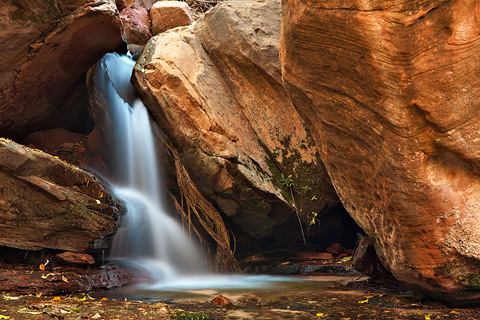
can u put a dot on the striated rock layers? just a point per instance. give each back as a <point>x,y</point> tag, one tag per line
<point>47,47</point>
<point>390,91</point>
<point>47,203</point>
<point>215,89</point>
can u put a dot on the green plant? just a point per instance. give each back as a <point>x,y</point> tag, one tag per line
<point>288,182</point>
<point>313,218</point>
<point>306,188</point>
<point>185,315</point>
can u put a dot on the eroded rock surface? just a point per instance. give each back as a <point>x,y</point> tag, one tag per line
<point>215,89</point>
<point>391,95</point>
<point>47,203</point>
<point>47,48</point>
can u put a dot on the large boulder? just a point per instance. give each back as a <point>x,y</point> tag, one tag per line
<point>47,47</point>
<point>47,203</point>
<point>390,91</point>
<point>215,89</point>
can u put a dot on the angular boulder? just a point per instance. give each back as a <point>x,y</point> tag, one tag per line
<point>216,90</point>
<point>166,15</point>
<point>47,203</point>
<point>390,92</point>
<point>47,48</point>
<point>135,25</point>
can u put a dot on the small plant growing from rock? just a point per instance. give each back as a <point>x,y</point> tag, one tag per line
<point>313,218</point>
<point>288,182</point>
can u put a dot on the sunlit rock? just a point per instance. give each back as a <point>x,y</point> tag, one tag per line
<point>166,15</point>
<point>390,92</point>
<point>216,90</point>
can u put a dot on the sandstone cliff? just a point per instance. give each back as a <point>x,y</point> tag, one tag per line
<point>390,93</point>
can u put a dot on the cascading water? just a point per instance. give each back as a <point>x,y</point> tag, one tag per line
<point>148,236</point>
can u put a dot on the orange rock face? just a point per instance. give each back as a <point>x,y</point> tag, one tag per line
<point>166,15</point>
<point>390,91</point>
<point>215,89</point>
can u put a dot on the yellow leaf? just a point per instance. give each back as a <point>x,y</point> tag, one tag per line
<point>38,294</point>
<point>4,317</point>
<point>427,317</point>
<point>82,299</point>
<point>41,267</point>
<point>346,259</point>
<point>363,301</point>
<point>104,299</point>
<point>56,299</point>
<point>64,279</point>
<point>320,314</point>
<point>90,298</point>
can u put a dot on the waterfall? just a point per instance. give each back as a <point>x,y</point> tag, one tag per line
<point>148,236</point>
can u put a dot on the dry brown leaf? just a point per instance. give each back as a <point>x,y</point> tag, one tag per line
<point>64,279</point>
<point>41,267</point>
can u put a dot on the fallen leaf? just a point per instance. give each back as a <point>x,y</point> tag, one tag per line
<point>321,314</point>
<point>163,310</point>
<point>56,299</point>
<point>41,267</point>
<point>11,298</point>
<point>283,263</point>
<point>64,279</point>
<point>453,311</point>
<point>427,317</point>
<point>38,294</point>
<point>96,316</point>
<point>346,259</point>
<point>104,299</point>
<point>363,301</point>
<point>4,317</point>
<point>64,311</point>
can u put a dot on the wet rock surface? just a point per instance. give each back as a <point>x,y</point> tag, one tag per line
<point>385,91</point>
<point>29,280</point>
<point>362,301</point>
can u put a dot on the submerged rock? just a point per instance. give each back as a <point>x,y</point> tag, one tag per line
<point>390,93</point>
<point>47,203</point>
<point>216,90</point>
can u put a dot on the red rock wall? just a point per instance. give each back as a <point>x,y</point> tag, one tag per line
<point>390,91</point>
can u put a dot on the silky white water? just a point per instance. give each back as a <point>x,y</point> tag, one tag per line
<point>148,237</point>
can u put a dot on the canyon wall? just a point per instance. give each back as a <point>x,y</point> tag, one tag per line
<point>390,93</point>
